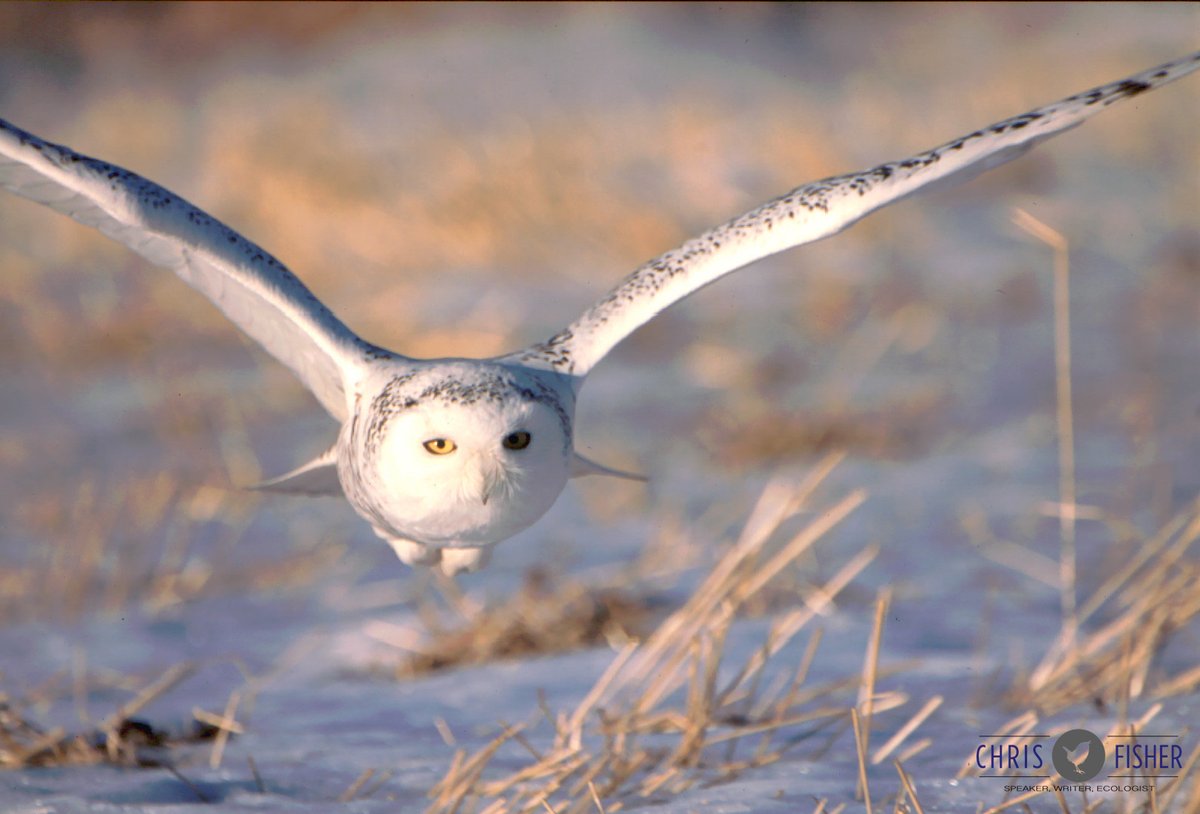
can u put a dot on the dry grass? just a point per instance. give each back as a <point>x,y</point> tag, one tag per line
<point>1113,663</point>
<point>1152,593</point>
<point>558,612</point>
<point>1107,651</point>
<point>149,543</point>
<point>549,614</point>
<point>119,739</point>
<point>1129,619</point>
<point>1064,414</point>
<point>670,712</point>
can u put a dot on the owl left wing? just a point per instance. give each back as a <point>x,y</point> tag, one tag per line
<point>257,292</point>
<point>812,212</point>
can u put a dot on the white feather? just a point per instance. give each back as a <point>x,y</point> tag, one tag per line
<point>317,477</point>
<point>250,286</point>
<point>814,211</point>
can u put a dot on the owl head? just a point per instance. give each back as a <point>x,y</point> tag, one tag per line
<point>464,454</point>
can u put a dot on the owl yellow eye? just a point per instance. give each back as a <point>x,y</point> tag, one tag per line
<point>517,440</point>
<point>440,446</point>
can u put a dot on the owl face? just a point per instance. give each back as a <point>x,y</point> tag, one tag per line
<point>464,460</point>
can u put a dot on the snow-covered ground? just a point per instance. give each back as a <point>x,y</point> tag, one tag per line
<point>464,180</point>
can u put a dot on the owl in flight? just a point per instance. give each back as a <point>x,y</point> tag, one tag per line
<point>447,457</point>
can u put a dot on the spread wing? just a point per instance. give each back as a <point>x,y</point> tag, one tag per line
<point>812,212</point>
<point>250,286</point>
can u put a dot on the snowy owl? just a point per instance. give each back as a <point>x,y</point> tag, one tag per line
<point>447,457</point>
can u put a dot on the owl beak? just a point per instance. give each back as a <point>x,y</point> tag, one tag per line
<point>493,481</point>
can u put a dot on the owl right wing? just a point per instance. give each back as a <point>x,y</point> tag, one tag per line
<point>812,212</point>
<point>250,286</point>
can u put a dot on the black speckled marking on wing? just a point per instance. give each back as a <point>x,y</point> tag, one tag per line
<point>152,195</point>
<point>813,211</point>
<point>255,290</point>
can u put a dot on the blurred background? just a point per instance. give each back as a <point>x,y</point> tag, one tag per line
<point>465,179</point>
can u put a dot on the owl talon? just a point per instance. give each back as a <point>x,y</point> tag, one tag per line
<point>411,553</point>
<point>451,561</point>
<point>456,561</point>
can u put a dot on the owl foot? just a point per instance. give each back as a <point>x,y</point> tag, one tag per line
<point>451,561</point>
<point>459,560</point>
<point>411,553</point>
